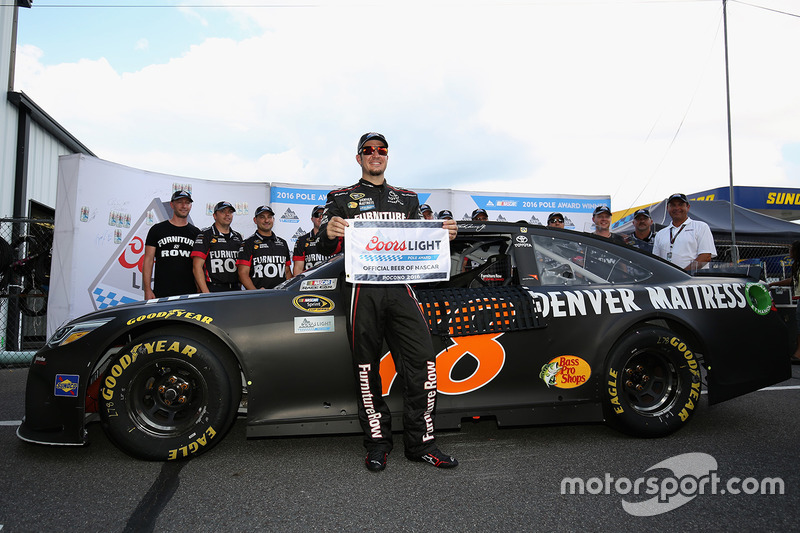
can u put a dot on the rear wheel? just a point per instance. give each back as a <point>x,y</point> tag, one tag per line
<point>652,384</point>
<point>171,394</point>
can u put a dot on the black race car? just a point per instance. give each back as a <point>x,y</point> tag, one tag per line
<point>535,326</point>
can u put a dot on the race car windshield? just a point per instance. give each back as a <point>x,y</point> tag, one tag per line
<point>567,262</point>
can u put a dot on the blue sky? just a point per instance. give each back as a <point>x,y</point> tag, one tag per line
<point>132,35</point>
<point>621,98</point>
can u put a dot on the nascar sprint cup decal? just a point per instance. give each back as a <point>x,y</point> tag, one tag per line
<point>396,251</point>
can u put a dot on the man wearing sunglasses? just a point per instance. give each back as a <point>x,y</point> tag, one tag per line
<point>389,312</point>
<point>555,220</point>
<point>306,255</point>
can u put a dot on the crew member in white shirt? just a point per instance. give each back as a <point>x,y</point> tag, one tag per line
<point>686,243</point>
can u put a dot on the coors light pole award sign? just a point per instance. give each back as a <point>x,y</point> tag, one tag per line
<point>396,251</point>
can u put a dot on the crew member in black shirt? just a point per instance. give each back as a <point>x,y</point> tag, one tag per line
<point>169,246</point>
<point>644,236</point>
<point>215,251</point>
<point>264,258</point>
<point>305,253</point>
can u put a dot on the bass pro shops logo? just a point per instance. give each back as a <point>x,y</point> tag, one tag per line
<point>565,372</point>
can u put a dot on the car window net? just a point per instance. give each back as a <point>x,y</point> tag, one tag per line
<point>459,312</point>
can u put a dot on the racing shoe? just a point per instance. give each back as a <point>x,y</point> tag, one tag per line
<point>436,458</point>
<point>376,460</point>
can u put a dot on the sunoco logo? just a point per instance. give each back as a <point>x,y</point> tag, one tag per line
<point>67,385</point>
<point>313,304</point>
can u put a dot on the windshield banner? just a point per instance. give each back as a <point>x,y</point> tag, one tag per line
<point>396,251</point>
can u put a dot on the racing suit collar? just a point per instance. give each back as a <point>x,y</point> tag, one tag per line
<point>366,183</point>
<point>216,231</point>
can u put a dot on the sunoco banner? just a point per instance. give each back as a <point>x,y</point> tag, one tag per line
<point>396,251</point>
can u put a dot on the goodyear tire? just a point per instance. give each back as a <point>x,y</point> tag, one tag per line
<point>171,394</point>
<point>652,383</point>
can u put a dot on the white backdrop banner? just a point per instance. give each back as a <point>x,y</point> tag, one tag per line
<point>514,207</point>
<point>396,251</point>
<point>103,214</point>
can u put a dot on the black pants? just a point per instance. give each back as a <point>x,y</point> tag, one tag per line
<point>391,312</point>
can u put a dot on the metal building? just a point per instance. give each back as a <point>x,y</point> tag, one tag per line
<point>30,145</point>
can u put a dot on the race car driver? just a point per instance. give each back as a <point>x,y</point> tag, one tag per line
<point>264,258</point>
<point>215,251</point>
<point>389,312</point>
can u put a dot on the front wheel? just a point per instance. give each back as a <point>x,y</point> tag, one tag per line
<point>652,385</point>
<point>171,394</point>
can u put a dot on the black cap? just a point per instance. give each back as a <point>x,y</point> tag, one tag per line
<point>368,137</point>
<point>479,211</point>
<point>678,196</point>
<point>551,216</point>
<point>444,213</point>
<point>644,212</point>
<point>425,207</point>
<point>601,209</point>
<point>264,209</point>
<point>181,194</point>
<point>222,205</point>
<point>317,208</point>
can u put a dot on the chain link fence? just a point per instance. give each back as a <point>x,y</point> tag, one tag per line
<point>772,258</point>
<point>25,255</point>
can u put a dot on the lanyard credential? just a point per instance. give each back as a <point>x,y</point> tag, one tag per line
<point>672,239</point>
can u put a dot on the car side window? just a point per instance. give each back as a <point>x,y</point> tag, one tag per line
<point>568,262</point>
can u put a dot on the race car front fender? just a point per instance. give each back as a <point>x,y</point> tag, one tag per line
<point>55,404</point>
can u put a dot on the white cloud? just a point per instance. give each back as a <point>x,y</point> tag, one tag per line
<point>141,44</point>
<point>579,98</point>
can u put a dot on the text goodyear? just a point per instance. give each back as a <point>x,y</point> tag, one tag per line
<point>143,348</point>
<point>181,313</point>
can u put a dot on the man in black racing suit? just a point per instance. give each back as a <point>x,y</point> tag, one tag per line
<point>389,312</point>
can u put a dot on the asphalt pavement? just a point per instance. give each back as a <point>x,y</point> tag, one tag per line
<point>508,479</point>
